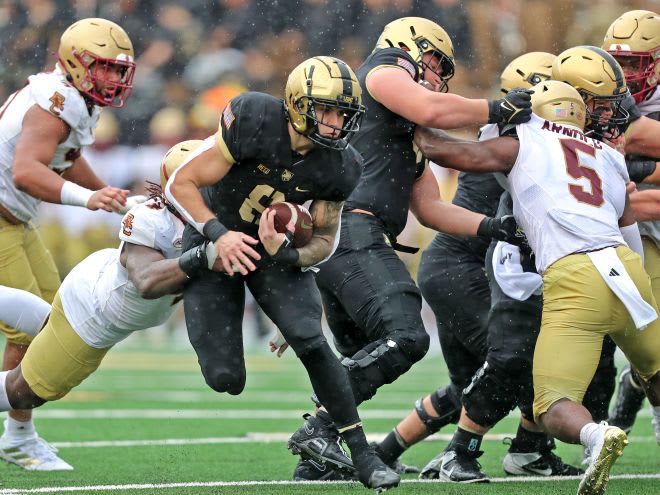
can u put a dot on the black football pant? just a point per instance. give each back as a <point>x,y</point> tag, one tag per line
<point>214,304</point>
<point>372,305</point>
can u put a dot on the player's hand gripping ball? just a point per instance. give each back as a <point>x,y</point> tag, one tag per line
<point>299,216</point>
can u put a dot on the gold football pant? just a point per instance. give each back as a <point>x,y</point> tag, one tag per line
<point>26,264</point>
<point>58,359</point>
<point>579,309</point>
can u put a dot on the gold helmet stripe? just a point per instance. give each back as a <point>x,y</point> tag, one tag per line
<point>614,65</point>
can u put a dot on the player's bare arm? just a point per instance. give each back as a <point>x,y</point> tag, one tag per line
<point>642,138</point>
<point>152,274</point>
<point>234,248</point>
<point>41,134</point>
<point>646,204</point>
<point>325,219</point>
<point>434,213</point>
<point>493,155</point>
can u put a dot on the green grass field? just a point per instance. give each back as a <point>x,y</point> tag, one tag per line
<point>146,423</point>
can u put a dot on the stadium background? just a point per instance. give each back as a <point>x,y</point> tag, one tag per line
<point>192,57</point>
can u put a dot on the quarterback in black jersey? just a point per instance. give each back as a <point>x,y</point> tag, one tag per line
<point>268,151</point>
<point>372,304</point>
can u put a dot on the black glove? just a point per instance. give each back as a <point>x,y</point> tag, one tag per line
<point>503,229</point>
<point>640,168</point>
<point>286,253</point>
<point>630,106</point>
<point>515,108</point>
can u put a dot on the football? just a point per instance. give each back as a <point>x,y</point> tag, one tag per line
<point>299,216</point>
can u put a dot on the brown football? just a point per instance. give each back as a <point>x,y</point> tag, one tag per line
<point>299,216</point>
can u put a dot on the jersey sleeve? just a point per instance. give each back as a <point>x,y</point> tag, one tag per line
<point>394,57</point>
<point>141,225</point>
<point>240,133</point>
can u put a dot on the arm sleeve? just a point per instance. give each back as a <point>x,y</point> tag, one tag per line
<point>631,235</point>
<point>640,169</point>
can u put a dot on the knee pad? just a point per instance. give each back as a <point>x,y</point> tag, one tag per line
<point>446,402</point>
<point>489,397</point>
<point>223,381</point>
<point>378,363</point>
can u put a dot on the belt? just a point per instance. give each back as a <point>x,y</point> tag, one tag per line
<point>6,214</point>
<point>395,245</point>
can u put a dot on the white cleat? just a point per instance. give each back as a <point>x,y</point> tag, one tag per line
<point>34,454</point>
<point>603,458</point>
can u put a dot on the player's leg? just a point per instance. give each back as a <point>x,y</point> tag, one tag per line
<point>579,309</point>
<point>456,289</point>
<point>292,301</point>
<point>56,361</point>
<point>22,254</point>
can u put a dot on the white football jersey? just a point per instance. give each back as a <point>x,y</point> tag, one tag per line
<point>51,92</point>
<point>101,303</point>
<point>650,228</point>
<point>568,191</point>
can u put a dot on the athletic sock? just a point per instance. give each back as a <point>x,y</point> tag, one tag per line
<point>391,448</point>
<point>356,441</point>
<point>465,441</point>
<point>529,441</point>
<point>592,438</point>
<point>4,398</point>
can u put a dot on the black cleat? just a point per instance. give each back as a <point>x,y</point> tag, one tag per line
<point>629,399</point>
<point>374,473</point>
<point>318,440</point>
<point>543,462</point>
<point>454,465</point>
<point>308,470</point>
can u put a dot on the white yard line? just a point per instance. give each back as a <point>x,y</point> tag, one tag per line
<point>256,437</point>
<point>212,484</point>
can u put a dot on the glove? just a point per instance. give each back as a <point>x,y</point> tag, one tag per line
<point>278,343</point>
<point>503,229</point>
<point>640,169</point>
<point>515,108</point>
<point>132,201</point>
<point>286,254</point>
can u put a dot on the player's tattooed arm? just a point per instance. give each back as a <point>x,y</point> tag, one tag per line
<point>325,218</point>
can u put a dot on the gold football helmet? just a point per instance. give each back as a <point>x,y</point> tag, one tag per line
<point>90,51</point>
<point>328,82</point>
<point>418,36</point>
<point>634,41</point>
<point>527,70</point>
<point>601,82</point>
<point>175,157</point>
<point>559,102</point>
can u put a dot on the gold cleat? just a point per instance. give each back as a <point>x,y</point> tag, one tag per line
<point>595,479</point>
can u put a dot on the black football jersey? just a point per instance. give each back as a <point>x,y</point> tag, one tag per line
<point>479,193</point>
<point>253,135</point>
<point>385,141</point>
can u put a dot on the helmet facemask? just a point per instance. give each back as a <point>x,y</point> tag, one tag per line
<point>352,113</point>
<point>113,93</point>
<point>606,117</point>
<point>639,68</point>
<point>445,67</point>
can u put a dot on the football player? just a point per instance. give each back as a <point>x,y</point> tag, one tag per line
<point>634,41</point>
<point>43,127</point>
<point>454,283</point>
<point>589,251</point>
<point>266,151</point>
<point>105,298</point>
<point>371,302</point>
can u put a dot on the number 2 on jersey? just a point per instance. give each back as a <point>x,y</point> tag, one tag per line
<point>577,170</point>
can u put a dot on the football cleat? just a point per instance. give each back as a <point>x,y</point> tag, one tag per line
<point>318,440</point>
<point>34,454</point>
<point>397,466</point>
<point>603,458</point>
<point>308,470</point>
<point>656,428</point>
<point>629,399</point>
<point>374,473</point>
<point>456,466</point>
<point>543,462</point>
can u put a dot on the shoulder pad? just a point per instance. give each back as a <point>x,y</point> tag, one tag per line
<point>55,95</point>
<point>397,58</point>
<point>142,222</point>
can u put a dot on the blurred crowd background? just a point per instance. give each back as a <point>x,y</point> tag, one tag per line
<point>194,55</point>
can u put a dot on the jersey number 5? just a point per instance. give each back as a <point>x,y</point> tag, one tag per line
<point>260,198</point>
<point>577,170</point>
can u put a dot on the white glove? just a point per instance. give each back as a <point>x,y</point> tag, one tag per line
<point>277,343</point>
<point>132,201</point>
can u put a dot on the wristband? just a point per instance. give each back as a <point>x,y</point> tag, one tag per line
<point>213,229</point>
<point>75,195</point>
<point>485,228</point>
<point>288,256</point>
<point>193,261</point>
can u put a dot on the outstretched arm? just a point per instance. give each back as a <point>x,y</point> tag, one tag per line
<point>492,155</point>
<point>152,274</point>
